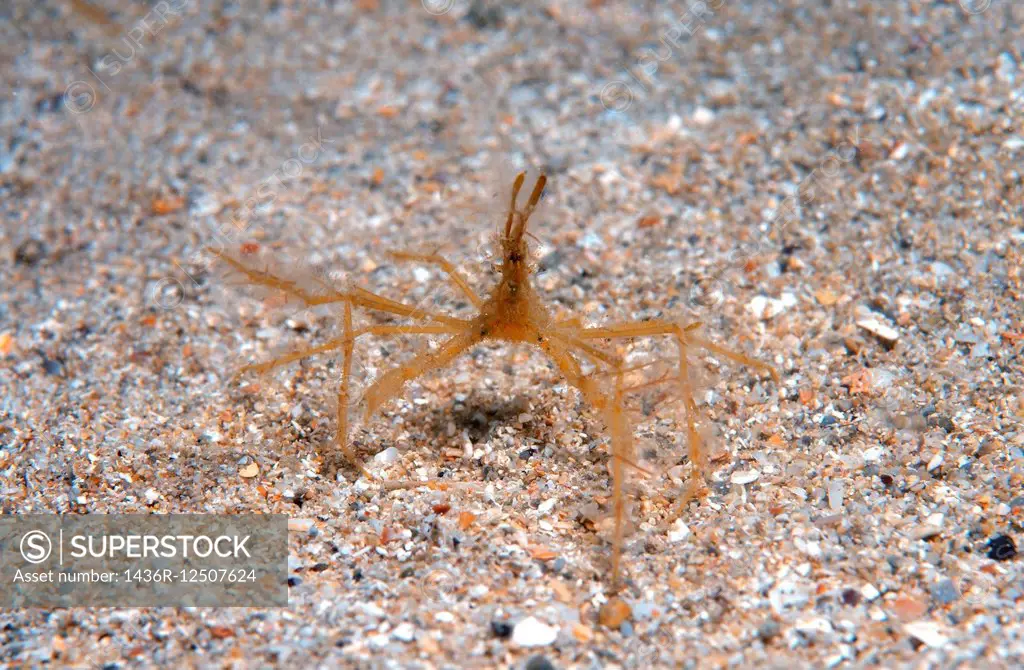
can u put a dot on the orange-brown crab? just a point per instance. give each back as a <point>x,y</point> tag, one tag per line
<point>512,312</point>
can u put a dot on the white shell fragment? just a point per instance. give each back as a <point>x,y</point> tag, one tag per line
<point>884,332</point>
<point>533,633</point>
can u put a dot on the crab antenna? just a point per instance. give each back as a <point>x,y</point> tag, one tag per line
<point>516,187</point>
<point>524,216</point>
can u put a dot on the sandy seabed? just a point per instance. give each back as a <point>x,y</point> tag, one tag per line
<point>832,187</point>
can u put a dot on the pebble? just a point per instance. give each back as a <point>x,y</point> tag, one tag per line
<point>874,454</point>
<point>764,307</point>
<point>547,505</point>
<point>300,525</point>
<point>679,532</point>
<point>501,629</point>
<point>386,457</point>
<point>870,592</point>
<point>927,632</point>
<point>703,116</point>
<point>944,592</point>
<point>538,663</point>
<point>614,613</point>
<point>788,594</point>
<point>908,608</point>
<point>531,632</point>
<point>1002,548</point>
<point>745,476</point>
<point>814,626</point>
<point>874,325</point>
<point>404,632</point>
<point>931,527</point>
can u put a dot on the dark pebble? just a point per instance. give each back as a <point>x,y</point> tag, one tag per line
<point>294,581</point>
<point>940,421</point>
<point>484,15</point>
<point>851,596</point>
<point>51,366</point>
<point>828,420</point>
<point>538,663</point>
<point>1001,548</point>
<point>501,629</point>
<point>768,630</point>
<point>319,567</point>
<point>29,252</point>
<point>525,454</point>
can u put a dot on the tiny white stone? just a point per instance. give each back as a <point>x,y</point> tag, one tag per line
<point>444,617</point>
<point>533,633</point>
<point>547,505</point>
<point>765,308</point>
<point>927,632</point>
<point>788,594</point>
<point>745,476</point>
<point>378,641</point>
<point>874,454</point>
<point>421,274</point>
<point>880,330</point>
<point>386,457</point>
<point>703,116</point>
<point>836,494</point>
<point>814,625</point>
<point>680,531</point>
<point>371,609</point>
<point>1013,144</point>
<point>404,632</point>
<point>936,461</point>
<point>478,591</point>
<point>869,592</point>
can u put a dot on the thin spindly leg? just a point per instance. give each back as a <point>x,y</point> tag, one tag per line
<point>328,460</point>
<point>340,342</point>
<point>683,338</point>
<point>620,437</point>
<point>357,296</point>
<point>285,285</point>
<point>391,382</point>
<point>347,343</point>
<point>453,274</point>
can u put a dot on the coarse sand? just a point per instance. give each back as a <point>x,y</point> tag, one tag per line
<point>832,187</point>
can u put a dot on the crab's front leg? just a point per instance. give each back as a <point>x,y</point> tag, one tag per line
<point>448,267</point>
<point>390,384</point>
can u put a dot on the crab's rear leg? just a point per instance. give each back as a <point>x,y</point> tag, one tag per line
<point>620,432</point>
<point>684,337</point>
